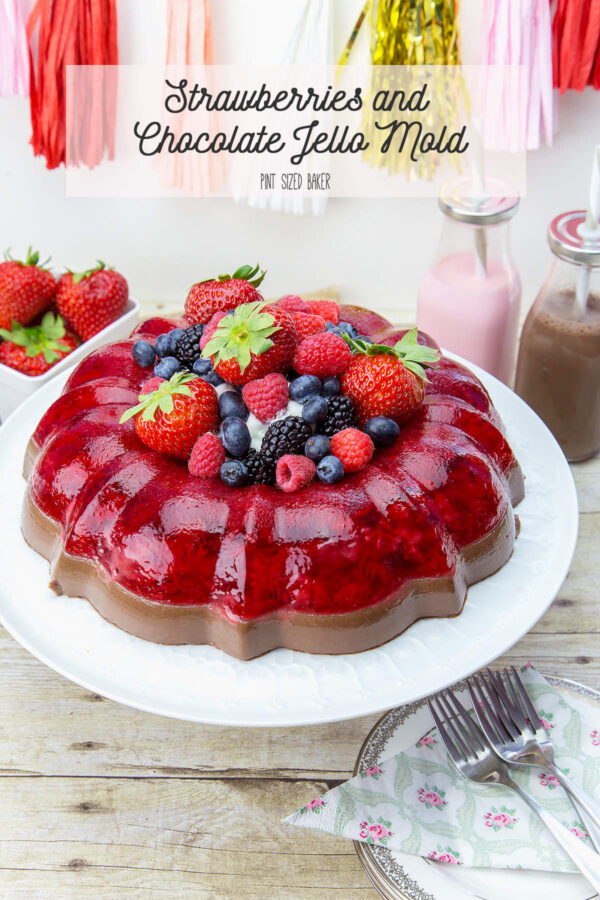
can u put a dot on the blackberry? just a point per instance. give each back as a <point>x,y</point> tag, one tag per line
<point>341,413</point>
<point>260,469</point>
<point>187,348</point>
<point>285,436</point>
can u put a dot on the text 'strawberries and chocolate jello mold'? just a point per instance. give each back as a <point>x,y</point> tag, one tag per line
<point>263,474</point>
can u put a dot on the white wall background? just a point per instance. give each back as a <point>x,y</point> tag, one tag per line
<point>376,251</point>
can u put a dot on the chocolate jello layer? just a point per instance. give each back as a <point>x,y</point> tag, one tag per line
<point>312,633</point>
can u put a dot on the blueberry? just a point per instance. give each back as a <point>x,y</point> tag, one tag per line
<point>330,470</point>
<point>348,329</point>
<point>236,437</point>
<point>166,368</point>
<point>314,410</point>
<point>234,472</point>
<point>363,337</point>
<point>303,387</point>
<point>176,334</point>
<point>382,431</point>
<point>231,404</point>
<point>143,353</point>
<point>317,447</point>
<point>202,366</point>
<point>329,326</point>
<point>213,378</point>
<point>331,386</point>
<point>164,345</point>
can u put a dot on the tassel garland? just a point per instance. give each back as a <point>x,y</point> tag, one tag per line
<point>78,33</point>
<point>14,52</point>
<point>519,104</point>
<point>576,56</point>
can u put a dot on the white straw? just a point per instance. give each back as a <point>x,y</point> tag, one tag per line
<point>479,191</point>
<point>591,232</point>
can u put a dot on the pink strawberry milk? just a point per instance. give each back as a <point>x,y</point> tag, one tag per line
<point>470,298</point>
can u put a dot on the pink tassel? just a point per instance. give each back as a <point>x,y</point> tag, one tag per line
<point>190,43</point>
<point>14,51</point>
<point>517,33</point>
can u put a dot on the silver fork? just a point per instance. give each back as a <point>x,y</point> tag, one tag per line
<point>513,727</point>
<point>474,758</point>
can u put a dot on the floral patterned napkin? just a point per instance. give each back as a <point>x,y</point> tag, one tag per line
<point>416,802</point>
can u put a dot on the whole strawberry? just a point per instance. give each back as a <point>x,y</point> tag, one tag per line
<point>388,381</point>
<point>223,293</point>
<point>26,290</point>
<point>35,350</point>
<point>251,342</point>
<point>89,301</point>
<point>172,418</point>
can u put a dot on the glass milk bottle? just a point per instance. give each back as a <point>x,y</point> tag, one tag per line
<point>469,300</point>
<point>558,372</point>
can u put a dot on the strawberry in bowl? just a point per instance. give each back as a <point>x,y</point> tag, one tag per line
<point>34,350</point>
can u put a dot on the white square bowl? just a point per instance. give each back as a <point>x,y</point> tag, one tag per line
<point>16,387</point>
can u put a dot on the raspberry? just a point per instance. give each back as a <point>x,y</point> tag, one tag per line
<point>308,324</point>
<point>326,308</point>
<point>294,304</point>
<point>207,457</point>
<point>294,472</point>
<point>210,328</point>
<point>322,355</point>
<point>267,396</point>
<point>353,448</point>
<point>152,385</point>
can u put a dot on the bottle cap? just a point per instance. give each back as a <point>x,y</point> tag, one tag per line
<point>570,239</point>
<point>459,201</point>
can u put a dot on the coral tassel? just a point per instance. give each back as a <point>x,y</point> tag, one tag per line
<point>576,31</point>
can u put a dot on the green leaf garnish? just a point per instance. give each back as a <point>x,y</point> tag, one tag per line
<point>161,398</point>
<point>242,334</point>
<point>415,357</point>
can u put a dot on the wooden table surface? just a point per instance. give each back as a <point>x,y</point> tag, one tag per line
<point>98,800</point>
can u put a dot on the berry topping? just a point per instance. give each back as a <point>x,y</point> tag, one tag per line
<point>382,431</point>
<point>165,345</point>
<point>89,301</point>
<point>305,386</point>
<point>322,355</point>
<point>330,470</point>
<point>308,324</point>
<point>347,328</point>
<point>153,385</point>
<point>293,303</point>
<point>236,436</point>
<point>260,469</point>
<point>167,367</point>
<point>144,354</point>
<point>255,340</point>
<point>36,349</point>
<point>234,473</point>
<point>388,381</point>
<point>314,410</point>
<point>213,378</point>
<point>283,436</point>
<point>340,414</point>
<point>317,447</point>
<point>267,396</point>
<point>353,448</point>
<point>223,293</point>
<point>177,334</point>
<point>294,472</point>
<point>187,348</point>
<point>231,404</point>
<point>331,386</point>
<point>171,418</point>
<point>202,367</point>
<point>207,457</point>
<point>326,308</point>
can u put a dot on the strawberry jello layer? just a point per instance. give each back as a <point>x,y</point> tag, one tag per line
<point>331,569</point>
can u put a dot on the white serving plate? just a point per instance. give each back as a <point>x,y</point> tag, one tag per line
<point>400,876</point>
<point>15,387</point>
<point>286,687</point>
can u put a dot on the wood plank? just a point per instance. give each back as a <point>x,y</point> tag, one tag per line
<point>169,836</point>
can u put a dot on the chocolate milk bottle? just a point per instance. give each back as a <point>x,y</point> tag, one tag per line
<point>558,371</point>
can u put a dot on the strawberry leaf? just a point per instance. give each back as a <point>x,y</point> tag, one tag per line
<point>414,356</point>
<point>161,398</point>
<point>242,334</point>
